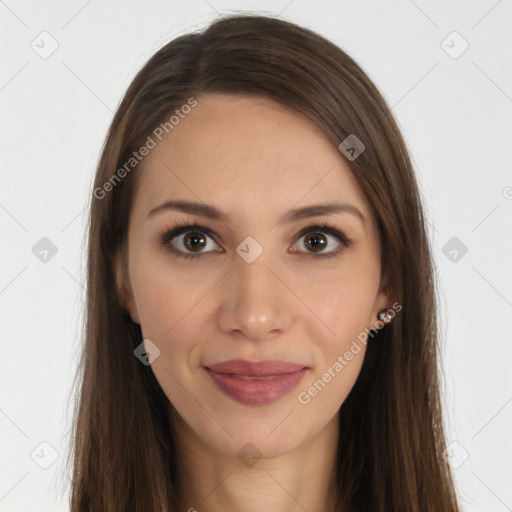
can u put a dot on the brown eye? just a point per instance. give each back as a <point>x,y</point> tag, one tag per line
<point>315,241</point>
<point>322,241</point>
<point>194,241</point>
<point>189,240</point>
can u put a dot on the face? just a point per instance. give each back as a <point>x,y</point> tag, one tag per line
<point>253,282</point>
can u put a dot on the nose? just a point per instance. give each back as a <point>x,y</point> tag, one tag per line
<point>257,305</point>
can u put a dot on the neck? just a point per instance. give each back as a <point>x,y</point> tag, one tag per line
<point>214,481</point>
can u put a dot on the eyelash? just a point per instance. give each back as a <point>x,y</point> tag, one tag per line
<point>180,228</point>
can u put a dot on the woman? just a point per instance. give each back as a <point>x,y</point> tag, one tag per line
<point>261,320</point>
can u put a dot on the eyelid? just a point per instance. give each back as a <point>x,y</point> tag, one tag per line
<point>180,228</point>
<point>324,228</point>
<point>184,227</point>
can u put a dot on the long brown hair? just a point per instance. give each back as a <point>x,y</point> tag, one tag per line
<point>391,439</point>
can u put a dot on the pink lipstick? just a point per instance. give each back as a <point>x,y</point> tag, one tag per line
<point>256,383</point>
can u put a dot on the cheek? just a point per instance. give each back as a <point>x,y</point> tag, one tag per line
<point>344,305</point>
<point>170,310</point>
<point>167,300</point>
<point>174,304</point>
<point>338,353</point>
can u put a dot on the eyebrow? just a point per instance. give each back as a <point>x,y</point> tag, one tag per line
<point>304,212</point>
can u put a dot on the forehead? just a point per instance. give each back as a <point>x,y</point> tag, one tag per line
<point>246,154</point>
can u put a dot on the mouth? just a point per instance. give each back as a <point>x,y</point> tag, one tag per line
<point>256,383</point>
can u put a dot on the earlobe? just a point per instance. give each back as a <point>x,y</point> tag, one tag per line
<point>383,304</point>
<point>123,287</point>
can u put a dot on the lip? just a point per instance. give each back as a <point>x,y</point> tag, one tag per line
<point>256,383</point>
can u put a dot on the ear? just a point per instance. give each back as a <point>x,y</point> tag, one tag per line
<point>384,299</point>
<point>123,286</point>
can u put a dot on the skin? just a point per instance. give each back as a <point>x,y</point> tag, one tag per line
<point>254,160</point>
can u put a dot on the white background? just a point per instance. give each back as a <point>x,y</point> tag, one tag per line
<point>455,114</point>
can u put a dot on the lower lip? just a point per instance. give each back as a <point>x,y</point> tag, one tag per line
<point>257,390</point>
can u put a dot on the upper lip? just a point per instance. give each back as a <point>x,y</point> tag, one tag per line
<point>256,369</point>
